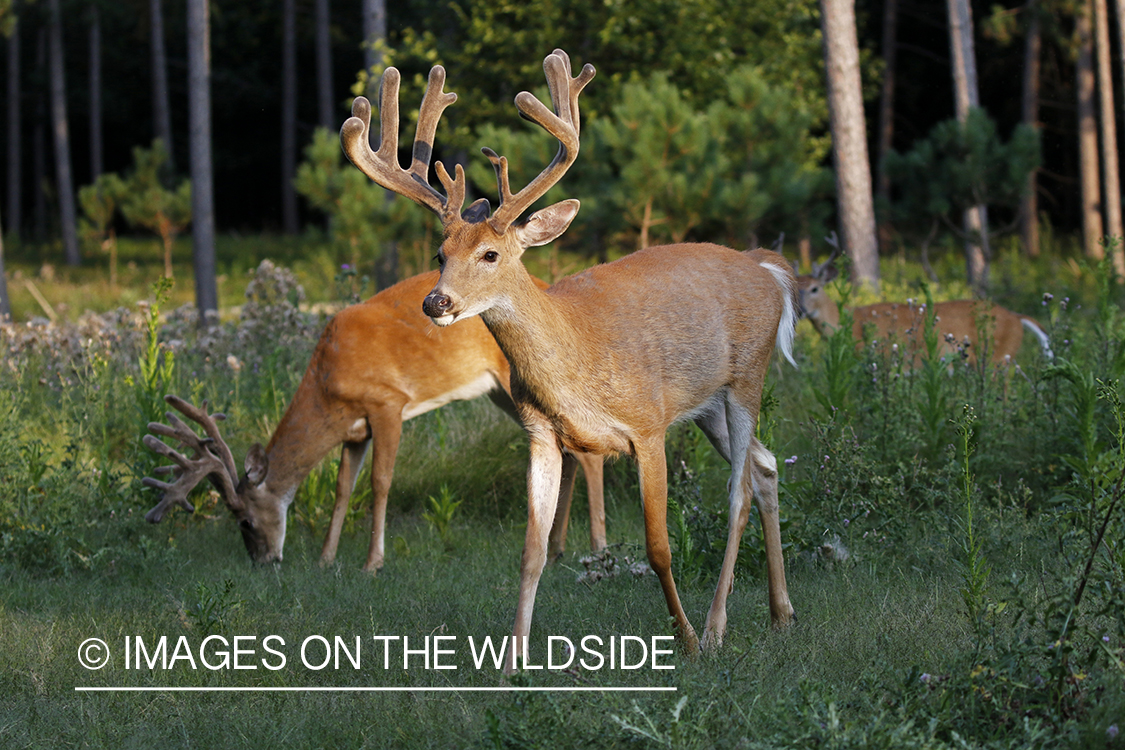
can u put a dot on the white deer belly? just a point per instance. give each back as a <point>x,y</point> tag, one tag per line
<point>473,389</point>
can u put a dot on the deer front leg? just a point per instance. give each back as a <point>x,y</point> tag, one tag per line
<point>544,475</point>
<point>386,431</point>
<point>595,492</point>
<point>654,497</point>
<point>351,461</point>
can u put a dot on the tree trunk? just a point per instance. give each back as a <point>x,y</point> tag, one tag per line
<point>887,113</point>
<point>854,200</point>
<point>5,303</point>
<point>1088,135</point>
<point>324,66</point>
<point>96,159</point>
<point>966,96</point>
<point>1029,204</point>
<point>1108,117</point>
<point>15,177</point>
<point>161,102</point>
<point>1119,8</point>
<point>374,37</point>
<point>289,219</point>
<point>202,182</point>
<point>887,95</point>
<point>68,214</point>
<point>39,142</point>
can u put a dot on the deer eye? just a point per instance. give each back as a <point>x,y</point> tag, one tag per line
<point>491,256</point>
<point>440,260</point>
<point>246,524</point>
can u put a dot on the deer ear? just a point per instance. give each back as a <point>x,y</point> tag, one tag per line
<point>257,464</point>
<point>547,224</point>
<point>829,272</point>
<point>477,212</point>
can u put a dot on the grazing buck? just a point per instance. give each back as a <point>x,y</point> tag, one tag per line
<point>376,365</point>
<point>960,323</point>
<point>604,361</point>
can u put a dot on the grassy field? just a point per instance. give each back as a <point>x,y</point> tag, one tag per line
<point>957,572</point>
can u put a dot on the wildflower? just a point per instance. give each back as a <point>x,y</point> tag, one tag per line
<point>1111,732</point>
<point>1105,639</point>
<point>1047,297</point>
<point>345,267</point>
<point>234,363</point>
<point>925,677</point>
<point>791,460</point>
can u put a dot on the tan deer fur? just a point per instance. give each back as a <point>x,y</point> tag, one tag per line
<point>377,364</point>
<point>959,323</point>
<point>605,361</point>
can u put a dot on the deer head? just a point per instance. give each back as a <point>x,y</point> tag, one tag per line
<point>260,517</point>
<point>816,305</point>
<point>478,250</point>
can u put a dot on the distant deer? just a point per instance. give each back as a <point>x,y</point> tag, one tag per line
<point>604,361</point>
<point>377,364</point>
<point>959,322</point>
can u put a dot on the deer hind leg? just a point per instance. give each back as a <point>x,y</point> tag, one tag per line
<point>386,430</point>
<point>544,475</point>
<point>654,498</point>
<point>351,462</point>
<point>764,475</point>
<point>739,426</point>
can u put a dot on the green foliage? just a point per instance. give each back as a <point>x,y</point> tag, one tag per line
<point>746,163</point>
<point>884,658</point>
<point>316,499</point>
<point>364,220</point>
<point>441,511</point>
<point>146,202</point>
<point>973,567</point>
<point>212,607</point>
<point>621,37</point>
<point>962,165</point>
<point>157,362</point>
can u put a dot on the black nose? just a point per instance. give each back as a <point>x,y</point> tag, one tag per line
<point>436,305</point>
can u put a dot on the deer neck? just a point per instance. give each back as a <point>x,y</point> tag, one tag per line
<point>304,436</point>
<point>536,333</point>
<point>828,319</point>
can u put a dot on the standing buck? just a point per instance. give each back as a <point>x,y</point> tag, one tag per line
<point>604,361</point>
<point>960,323</point>
<point>376,365</point>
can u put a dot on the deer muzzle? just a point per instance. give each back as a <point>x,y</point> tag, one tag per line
<point>436,306</point>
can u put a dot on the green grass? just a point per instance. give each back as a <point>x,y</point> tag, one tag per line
<point>883,655</point>
<point>847,636</point>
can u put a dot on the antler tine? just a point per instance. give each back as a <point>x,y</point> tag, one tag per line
<point>564,123</point>
<point>382,166</point>
<point>191,472</point>
<point>207,422</point>
<point>818,269</point>
<point>211,457</point>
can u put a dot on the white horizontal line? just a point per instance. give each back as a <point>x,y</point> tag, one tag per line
<point>374,689</point>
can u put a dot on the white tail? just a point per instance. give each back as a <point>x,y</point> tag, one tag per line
<point>606,360</point>
<point>376,365</point>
